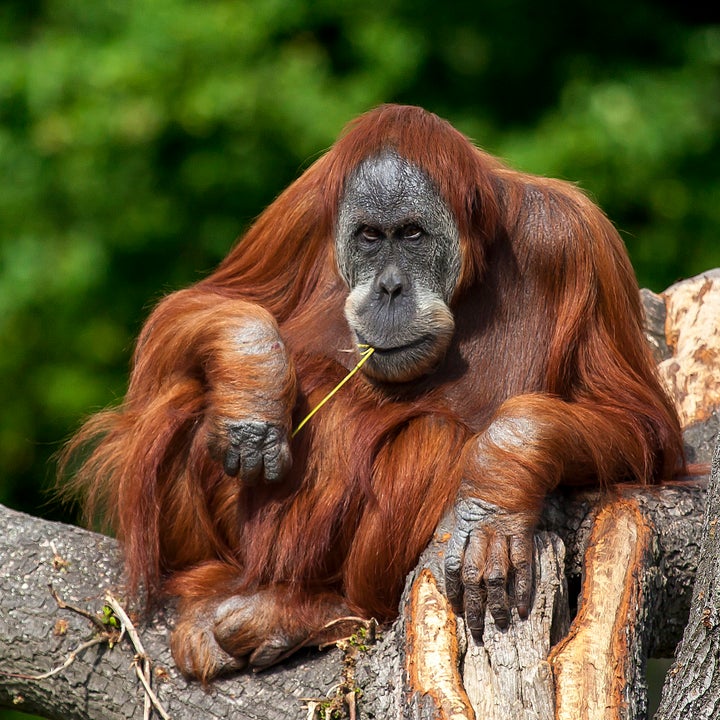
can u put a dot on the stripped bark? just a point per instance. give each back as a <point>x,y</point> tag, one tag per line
<point>649,536</point>
<point>599,667</point>
<point>433,654</point>
<point>692,333</point>
<point>508,672</point>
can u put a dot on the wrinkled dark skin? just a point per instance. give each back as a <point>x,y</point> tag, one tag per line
<point>398,250</point>
<point>256,449</point>
<point>489,551</point>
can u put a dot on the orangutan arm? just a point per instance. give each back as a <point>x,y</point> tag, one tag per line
<point>234,349</point>
<point>534,443</point>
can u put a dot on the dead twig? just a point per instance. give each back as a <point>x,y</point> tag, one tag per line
<point>92,617</point>
<point>111,629</point>
<point>106,635</point>
<point>97,640</point>
<point>141,661</point>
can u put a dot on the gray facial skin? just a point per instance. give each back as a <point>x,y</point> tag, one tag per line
<point>398,249</point>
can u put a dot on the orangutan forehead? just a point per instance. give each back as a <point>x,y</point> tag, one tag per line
<point>386,186</point>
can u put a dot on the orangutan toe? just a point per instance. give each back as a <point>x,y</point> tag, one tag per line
<point>252,625</point>
<point>198,654</point>
<point>273,650</point>
<point>218,635</point>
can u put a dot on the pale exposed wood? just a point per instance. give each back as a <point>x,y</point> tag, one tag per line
<point>509,676</point>
<point>692,332</point>
<point>432,659</point>
<point>592,665</point>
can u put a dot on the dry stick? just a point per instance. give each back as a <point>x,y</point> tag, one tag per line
<point>141,657</point>
<point>68,661</point>
<point>94,619</point>
<point>105,636</point>
<point>350,703</point>
<point>364,357</point>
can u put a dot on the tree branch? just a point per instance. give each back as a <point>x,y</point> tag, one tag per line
<point>692,690</point>
<point>101,682</point>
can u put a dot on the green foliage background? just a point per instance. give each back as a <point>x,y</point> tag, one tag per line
<point>138,139</point>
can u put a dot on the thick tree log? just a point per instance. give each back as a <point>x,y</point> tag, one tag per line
<point>599,666</point>
<point>410,672</point>
<point>36,636</point>
<point>510,675</point>
<point>692,689</point>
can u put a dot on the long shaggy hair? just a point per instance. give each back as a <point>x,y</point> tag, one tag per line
<point>548,326</point>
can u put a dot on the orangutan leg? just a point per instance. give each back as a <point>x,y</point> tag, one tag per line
<point>223,634</point>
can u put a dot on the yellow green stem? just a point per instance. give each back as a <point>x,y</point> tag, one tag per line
<point>364,356</point>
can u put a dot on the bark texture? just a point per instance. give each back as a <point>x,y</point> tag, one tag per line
<point>692,689</point>
<point>692,332</point>
<point>36,636</point>
<point>424,666</point>
<point>603,655</point>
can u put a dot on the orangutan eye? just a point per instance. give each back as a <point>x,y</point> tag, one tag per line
<point>412,232</point>
<point>370,234</point>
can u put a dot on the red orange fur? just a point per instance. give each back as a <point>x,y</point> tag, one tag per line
<point>548,346</point>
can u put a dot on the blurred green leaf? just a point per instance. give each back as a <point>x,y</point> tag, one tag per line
<point>138,140</point>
